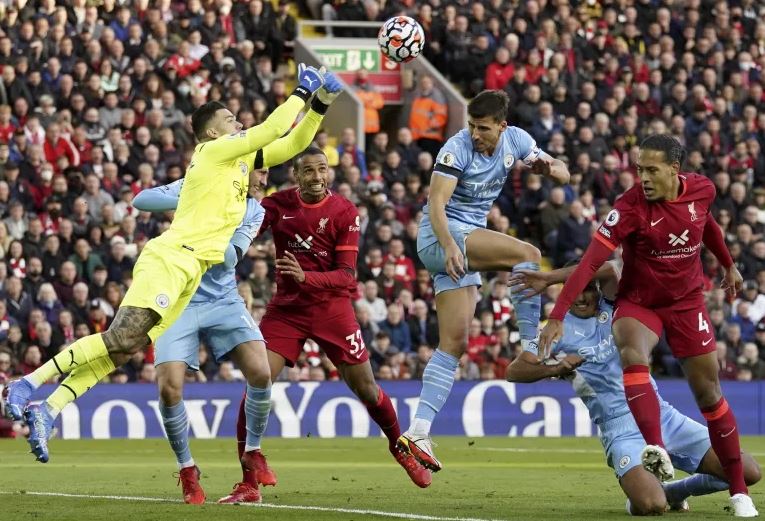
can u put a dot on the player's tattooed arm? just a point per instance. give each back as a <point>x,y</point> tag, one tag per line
<point>527,368</point>
<point>129,332</point>
<point>535,282</point>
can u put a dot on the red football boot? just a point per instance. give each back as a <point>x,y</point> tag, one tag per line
<point>188,478</point>
<point>255,460</point>
<point>417,473</point>
<point>242,493</point>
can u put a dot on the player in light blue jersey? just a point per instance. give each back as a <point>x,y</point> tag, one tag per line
<point>218,315</point>
<point>588,357</point>
<point>454,245</point>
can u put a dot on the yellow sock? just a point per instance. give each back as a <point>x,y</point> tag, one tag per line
<point>76,355</point>
<point>79,381</point>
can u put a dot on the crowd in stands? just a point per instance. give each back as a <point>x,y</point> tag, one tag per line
<point>95,99</point>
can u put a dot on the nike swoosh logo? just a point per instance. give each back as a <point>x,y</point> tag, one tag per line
<point>654,223</point>
<point>287,217</point>
<point>726,435</point>
<point>633,397</point>
<point>707,342</point>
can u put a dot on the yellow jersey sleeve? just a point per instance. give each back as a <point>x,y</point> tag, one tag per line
<point>228,148</point>
<point>289,146</point>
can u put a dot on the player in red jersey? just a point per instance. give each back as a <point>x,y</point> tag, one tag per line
<point>661,226</point>
<point>316,235</point>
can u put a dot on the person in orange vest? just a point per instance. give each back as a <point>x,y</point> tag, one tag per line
<point>373,102</point>
<point>428,116</point>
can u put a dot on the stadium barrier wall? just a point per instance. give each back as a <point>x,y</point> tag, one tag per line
<point>328,409</point>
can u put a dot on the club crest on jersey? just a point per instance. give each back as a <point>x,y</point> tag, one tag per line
<point>509,160</point>
<point>243,168</point>
<point>603,317</point>
<point>162,300</point>
<point>624,461</point>
<point>447,159</point>
<point>322,225</point>
<point>612,218</point>
<point>692,211</point>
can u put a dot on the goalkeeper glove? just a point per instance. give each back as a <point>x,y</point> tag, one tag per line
<point>328,93</point>
<point>309,81</point>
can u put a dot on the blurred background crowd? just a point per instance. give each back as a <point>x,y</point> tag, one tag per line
<point>95,98</point>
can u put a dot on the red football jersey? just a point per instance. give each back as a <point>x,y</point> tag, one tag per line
<point>313,233</point>
<point>661,243</point>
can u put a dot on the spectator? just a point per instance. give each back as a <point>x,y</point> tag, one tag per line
<point>374,304</point>
<point>423,325</point>
<point>397,329</point>
<point>428,116</point>
<point>372,101</point>
<point>573,235</point>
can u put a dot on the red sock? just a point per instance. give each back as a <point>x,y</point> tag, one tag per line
<point>384,415</point>
<point>723,434</point>
<point>248,476</point>
<point>643,403</point>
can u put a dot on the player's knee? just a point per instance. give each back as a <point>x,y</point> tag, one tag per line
<point>752,471</point>
<point>531,253</point>
<point>259,377</point>
<point>124,340</point>
<point>648,505</point>
<point>170,393</point>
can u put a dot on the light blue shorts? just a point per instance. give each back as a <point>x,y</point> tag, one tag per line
<point>222,325</point>
<point>686,441</point>
<point>433,257</point>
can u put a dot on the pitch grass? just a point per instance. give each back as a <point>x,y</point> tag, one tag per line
<point>484,478</point>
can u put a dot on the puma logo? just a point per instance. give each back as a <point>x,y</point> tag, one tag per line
<point>71,355</point>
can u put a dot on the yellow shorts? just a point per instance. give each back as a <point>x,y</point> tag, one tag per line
<point>164,280</point>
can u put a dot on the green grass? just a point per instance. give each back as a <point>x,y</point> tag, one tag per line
<point>484,478</point>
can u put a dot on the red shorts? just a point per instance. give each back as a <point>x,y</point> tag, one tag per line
<point>332,325</point>
<point>688,331</point>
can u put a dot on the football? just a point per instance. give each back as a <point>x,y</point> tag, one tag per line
<point>401,39</point>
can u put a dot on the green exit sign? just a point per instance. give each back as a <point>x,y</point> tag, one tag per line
<point>350,60</point>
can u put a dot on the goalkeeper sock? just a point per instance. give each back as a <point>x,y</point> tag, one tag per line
<point>257,407</point>
<point>384,415</point>
<point>78,383</point>
<point>527,309</point>
<point>177,429</point>
<point>79,354</point>
<point>696,485</point>
<point>437,381</point>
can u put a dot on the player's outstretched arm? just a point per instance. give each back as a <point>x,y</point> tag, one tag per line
<point>227,148</point>
<point>286,148</point>
<point>159,199</point>
<point>245,233</point>
<point>535,282</point>
<point>527,368</point>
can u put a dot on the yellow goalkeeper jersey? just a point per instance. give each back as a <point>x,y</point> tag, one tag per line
<point>214,194</point>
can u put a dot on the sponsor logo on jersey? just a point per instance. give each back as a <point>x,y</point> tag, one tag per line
<point>322,225</point>
<point>612,218</point>
<point>241,190</point>
<point>302,243</point>
<point>679,240</point>
<point>692,211</point>
<point>356,227</point>
<point>162,300</point>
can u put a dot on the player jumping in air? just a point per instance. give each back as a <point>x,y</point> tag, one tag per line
<point>211,206</point>
<point>218,314</point>
<point>454,245</point>
<point>316,235</point>
<point>589,358</point>
<point>661,225</point>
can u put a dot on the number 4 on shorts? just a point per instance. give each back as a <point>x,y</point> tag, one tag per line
<point>703,324</point>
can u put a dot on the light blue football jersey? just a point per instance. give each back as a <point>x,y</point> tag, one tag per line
<point>598,381</point>
<point>480,178</point>
<point>219,282</point>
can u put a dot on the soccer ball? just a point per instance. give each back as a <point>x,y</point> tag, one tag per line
<point>401,39</point>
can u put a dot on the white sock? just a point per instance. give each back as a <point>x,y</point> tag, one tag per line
<point>186,464</point>
<point>249,448</point>
<point>420,427</point>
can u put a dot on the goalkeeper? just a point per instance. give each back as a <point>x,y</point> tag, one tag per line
<point>211,205</point>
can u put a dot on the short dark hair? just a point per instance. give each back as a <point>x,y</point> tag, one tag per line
<point>673,150</point>
<point>310,151</point>
<point>202,116</point>
<point>490,103</point>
